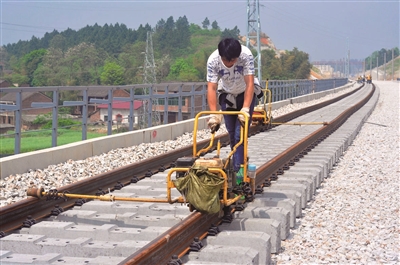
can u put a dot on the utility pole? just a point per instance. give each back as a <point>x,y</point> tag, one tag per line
<point>384,63</point>
<point>364,66</point>
<point>344,70</point>
<point>149,77</point>
<point>377,60</point>
<point>392,64</point>
<point>370,65</point>
<point>347,61</point>
<point>253,32</point>
<point>336,68</point>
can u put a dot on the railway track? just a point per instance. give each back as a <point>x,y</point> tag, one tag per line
<point>112,232</point>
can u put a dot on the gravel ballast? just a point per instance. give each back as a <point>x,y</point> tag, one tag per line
<point>354,219</point>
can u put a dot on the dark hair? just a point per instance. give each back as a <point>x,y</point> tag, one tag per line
<point>229,48</point>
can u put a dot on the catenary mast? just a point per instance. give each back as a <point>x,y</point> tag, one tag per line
<point>254,32</point>
<point>149,77</point>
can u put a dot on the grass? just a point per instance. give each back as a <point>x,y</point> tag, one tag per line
<point>33,141</point>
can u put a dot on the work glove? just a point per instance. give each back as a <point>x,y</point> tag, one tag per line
<point>215,122</point>
<point>241,117</point>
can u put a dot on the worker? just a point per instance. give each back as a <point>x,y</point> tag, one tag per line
<point>369,79</point>
<point>230,83</point>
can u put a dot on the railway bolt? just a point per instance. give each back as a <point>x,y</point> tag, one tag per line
<point>259,189</point>
<point>148,174</point>
<point>267,182</point>
<point>57,210</point>
<point>175,260</point>
<point>118,186</point>
<point>100,192</point>
<point>196,245</point>
<point>213,230</point>
<point>161,168</point>
<point>80,202</point>
<point>274,177</point>
<point>28,222</point>
<point>135,179</point>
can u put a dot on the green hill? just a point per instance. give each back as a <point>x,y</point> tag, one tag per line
<point>117,55</point>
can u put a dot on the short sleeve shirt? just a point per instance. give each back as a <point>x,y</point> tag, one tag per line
<point>231,79</point>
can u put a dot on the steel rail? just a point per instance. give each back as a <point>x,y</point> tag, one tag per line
<point>172,242</point>
<point>295,152</point>
<point>13,215</point>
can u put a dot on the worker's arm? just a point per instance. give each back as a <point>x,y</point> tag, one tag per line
<point>212,95</point>
<point>249,92</point>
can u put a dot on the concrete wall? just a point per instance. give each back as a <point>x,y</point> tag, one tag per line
<point>21,163</point>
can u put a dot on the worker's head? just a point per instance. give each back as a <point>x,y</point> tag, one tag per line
<point>229,49</point>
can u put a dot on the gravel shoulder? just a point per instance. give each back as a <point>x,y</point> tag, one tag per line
<point>354,219</point>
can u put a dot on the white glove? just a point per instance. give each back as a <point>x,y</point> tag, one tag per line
<point>215,122</point>
<point>242,119</point>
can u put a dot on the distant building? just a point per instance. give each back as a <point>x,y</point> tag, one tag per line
<point>326,70</point>
<point>120,112</point>
<point>27,112</point>
<point>97,113</point>
<point>4,83</point>
<point>98,93</point>
<point>173,103</point>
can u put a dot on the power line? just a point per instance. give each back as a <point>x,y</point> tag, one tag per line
<point>26,26</point>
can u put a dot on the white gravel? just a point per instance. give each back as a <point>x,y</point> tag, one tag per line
<point>354,219</point>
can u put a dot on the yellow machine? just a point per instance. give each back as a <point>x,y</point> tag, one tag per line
<point>369,79</point>
<point>262,114</point>
<point>229,192</point>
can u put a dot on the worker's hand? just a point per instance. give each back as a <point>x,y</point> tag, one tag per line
<point>215,122</point>
<point>241,117</point>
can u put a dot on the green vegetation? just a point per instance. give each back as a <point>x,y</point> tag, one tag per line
<point>33,141</point>
<point>396,68</point>
<point>114,55</point>
<point>370,61</point>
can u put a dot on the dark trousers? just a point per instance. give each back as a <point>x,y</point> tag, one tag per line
<point>233,126</point>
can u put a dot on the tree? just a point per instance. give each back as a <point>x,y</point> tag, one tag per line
<point>164,36</point>
<point>163,67</point>
<point>50,72</point>
<point>113,74</point>
<point>267,56</point>
<point>83,58</point>
<point>233,33</point>
<point>142,32</point>
<point>182,70</point>
<point>214,25</point>
<point>181,34</point>
<point>199,62</point>
<point>58,42</point>
<point>72,58</point>
<point>30,62</point>
<point>274,71</point>
<point>206,23</point>
<point>131,60</point>
<point>19,79</point>
<point>303,72</point>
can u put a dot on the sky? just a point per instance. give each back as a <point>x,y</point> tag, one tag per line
<point>326,30</point>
